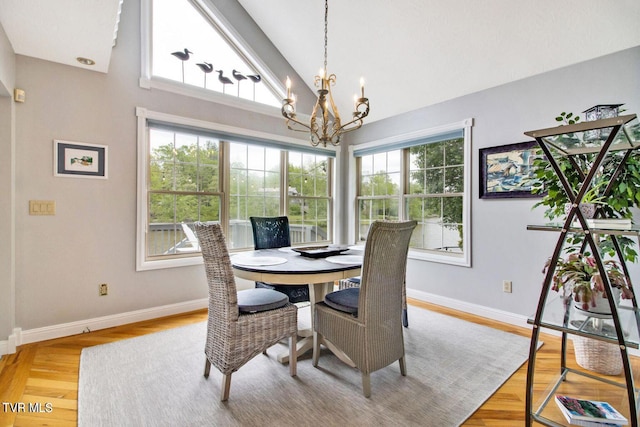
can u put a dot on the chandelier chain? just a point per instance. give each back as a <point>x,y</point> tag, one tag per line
<point>326,19</point>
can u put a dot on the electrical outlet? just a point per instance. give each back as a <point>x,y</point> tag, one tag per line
<point>103,289</point>
<point>506,286</point>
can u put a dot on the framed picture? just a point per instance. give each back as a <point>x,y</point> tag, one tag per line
<point>79,160</point>
<point>504,170</point>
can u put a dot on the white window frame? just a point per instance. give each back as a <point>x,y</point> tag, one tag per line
<point>148,81</point>
<point>454,259</point>
<point>330,197</point>
<point>143,115</point>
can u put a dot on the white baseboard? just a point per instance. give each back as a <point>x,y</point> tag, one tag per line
<point>478,310</point>
<point>9,346</point>
<point>78,327</point>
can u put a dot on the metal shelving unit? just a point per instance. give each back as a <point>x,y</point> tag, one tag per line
<point>600,138</point>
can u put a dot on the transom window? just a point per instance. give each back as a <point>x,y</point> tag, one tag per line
<point>422,177</point>
<point>190,45</point>
<point>189,174</point>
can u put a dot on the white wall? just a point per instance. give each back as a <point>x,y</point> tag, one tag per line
<point>502,248</point>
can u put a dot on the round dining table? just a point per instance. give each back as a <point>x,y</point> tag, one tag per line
<point>284,266</point>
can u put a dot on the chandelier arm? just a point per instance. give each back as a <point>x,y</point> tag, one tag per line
<point>292,126</point>
<point>290,119</point>
<point>315,138</point>
<point>357,121</point>
<point>358,115</point>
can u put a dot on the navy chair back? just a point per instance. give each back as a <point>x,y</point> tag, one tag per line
<point>270,232</point>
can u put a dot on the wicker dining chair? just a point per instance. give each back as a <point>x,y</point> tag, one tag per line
<point>241,324</point>
<point>363,325</point>
<point>354,282</point>
<point>273,233</point>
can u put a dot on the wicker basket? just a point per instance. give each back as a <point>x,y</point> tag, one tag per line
<point>597,356</point>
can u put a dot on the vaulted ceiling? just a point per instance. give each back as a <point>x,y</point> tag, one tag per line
<point>412,53</point>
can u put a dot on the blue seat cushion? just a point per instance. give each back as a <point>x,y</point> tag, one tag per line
<point>354,279</point>
<point>345,300</point>
<point>258,299</point>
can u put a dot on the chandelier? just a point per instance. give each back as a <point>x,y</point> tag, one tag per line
<point>325,124</point>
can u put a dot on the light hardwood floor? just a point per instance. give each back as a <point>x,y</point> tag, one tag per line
<point>48,372</point>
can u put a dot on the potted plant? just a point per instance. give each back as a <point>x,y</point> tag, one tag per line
<point>590,201</point>
<point>578,275</point>
<point>624,195</point>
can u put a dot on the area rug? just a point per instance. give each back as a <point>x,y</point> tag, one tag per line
<point>453,367</point>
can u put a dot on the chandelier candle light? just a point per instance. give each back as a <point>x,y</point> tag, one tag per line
<point>325,130</point>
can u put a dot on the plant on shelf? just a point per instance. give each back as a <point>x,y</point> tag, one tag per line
<point>624,195</point>
<point>579,276</point>
<point>567,118</point>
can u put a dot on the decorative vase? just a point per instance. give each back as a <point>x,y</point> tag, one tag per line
<point>588,209</point>
<point>597,112</point>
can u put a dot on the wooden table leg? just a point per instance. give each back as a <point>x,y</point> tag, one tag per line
<point>317,291</point>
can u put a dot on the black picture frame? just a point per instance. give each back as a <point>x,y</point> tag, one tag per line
<point>503,170</point>
<point>79,160</point>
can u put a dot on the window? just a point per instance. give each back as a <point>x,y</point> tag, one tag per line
<point>436,193</point>
<point>379,189</point>
<point>424,177</point>
<point>309,197</point>
<point>191,171</point>
<point>215,52</point>
<point>184,187</point>
<point>254,189</point>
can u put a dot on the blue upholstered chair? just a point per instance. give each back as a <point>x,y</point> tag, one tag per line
<point>271,233</point>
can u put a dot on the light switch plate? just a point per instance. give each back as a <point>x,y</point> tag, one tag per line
<point>42,207</point>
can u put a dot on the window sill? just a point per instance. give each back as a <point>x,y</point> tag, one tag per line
<point>209,95</point>
<point>169,263</point>
<point>452,259</point>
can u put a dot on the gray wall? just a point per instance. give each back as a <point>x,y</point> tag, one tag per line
<point>7,77</point>
<point>502,248</point>
<point>61,259</point>
<point>7,65</point>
